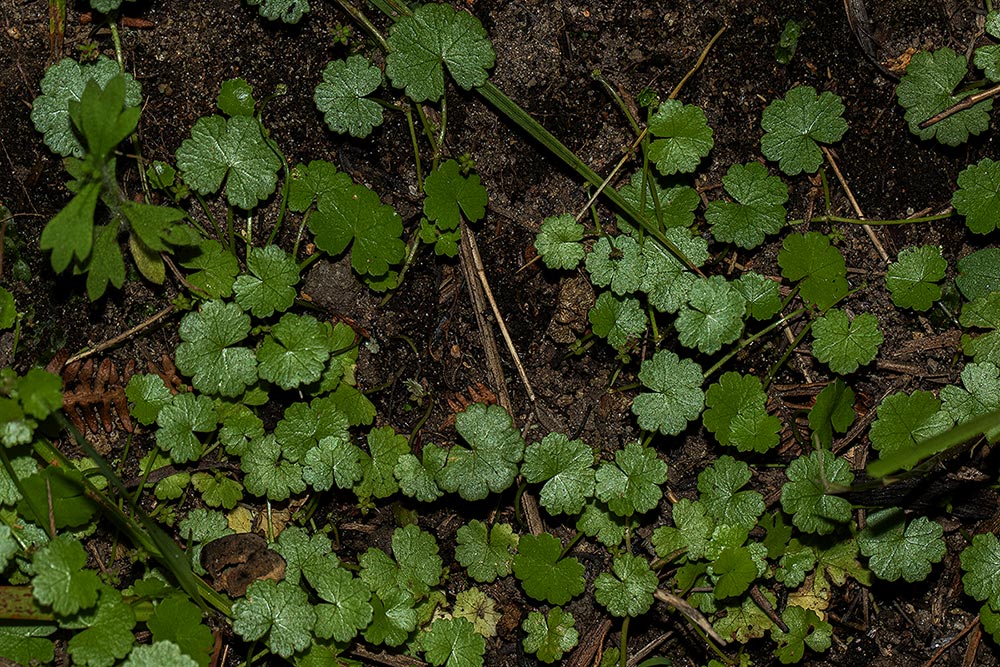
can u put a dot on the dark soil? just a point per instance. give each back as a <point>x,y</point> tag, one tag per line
<point>427,333</point>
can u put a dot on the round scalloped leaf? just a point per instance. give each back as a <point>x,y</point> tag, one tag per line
<point>795,125</point>
<point>342,96</point>
<point>913,279</point>
<point>978,196</point>
<point>289,11</point>
<point>759,208</point>
<point>682,137</point>
<point>677,397</point>
<point>844,344</point>
<point>559,242</point>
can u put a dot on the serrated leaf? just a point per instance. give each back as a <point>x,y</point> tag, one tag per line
<point>40,393</point>
<point>745,622</point>
<point>433,37</point>
<point>479,609</point>
<point>629,590</point>
<point>982,313</point>
<point>981,563</point>
<point>342,97</point>
<point>796,125</point>
<point>667,282</point>
<point>692,531</point>
<point>267,474</point>
<point>617,261</point>
<point>895,549</point>
<point>979,395</point>
<point>385,447</point>
<point>979,273</point>
<point>631,485</point>
<point>833,411</point>
<point>978,196</point>
<point>61,580</point>
<point>334,460</point>
<point>713,316</point>
<point>567,469</point>
<point>289,11</point>
<point>758,209</point>
<point>450,195</point>
<point>807,497</point>
<point>676,206</point>
<point>987,58</point>
<point>928,88</point>
<point>393,618</point>
<point>106,633</point>
<point>810,258</point>
<point>550,635</point>
<point>486,558</point>
<point>418,477</point>
<point>734,571</point>
<point>231,150</point>
<point>543,574</point>
<point>843,344</point>
<point>215,269</point>
<point>416,552</point>
<point>295,352</point>
<point>279,611</point>
<point>913,279</point>
<point>217,490</point>
<point>270,285</point>
<point>490,463</point>
<point>349,608</point>
<point>179,421</point>
<point>64,83</point>
<point>24,643</point>
<point>240,426</point>
<point>106,265</point>
<point>805,628</point>
<point>677,397</point>
<point>305,555</point>
<point>905,420</point>
<point>158,654</point>
<point>70,234</point>
<point>737,415</point>
<point>453,643</point>
<point>303,425</point>
<point>352,215</point>
<point>619,319</point>
<point>559,242</point>
<point>719,486</point>
<point>762,295</point>
<point>682,137</point>
<point>207,351</point>
<point>596,521</point>
<point>148,395</point>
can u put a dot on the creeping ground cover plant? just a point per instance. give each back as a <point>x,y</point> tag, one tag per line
<point>750,430</point>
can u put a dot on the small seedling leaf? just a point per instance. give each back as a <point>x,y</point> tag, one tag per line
<point>913,279</point>
<point>453,642</point>
<point>619,319</point>
<point>982,313</point>
<point>895,549</point>
<point>597,521</point>
<point>629,590</point>
<point>567,469</point>
<point>342,97</point>
<point>734,570</point>
<point>393,618</point>
<point>433,37</point>
<point>737,414</point>
<point>713,316</point>
<point>807,495</point>
<point>981,562</point>
<point>905,420</point>
<point>216,269</point>
<point>692,531</point>
<point>386,447</point>
<point>762,295</point>
<point>559,242</point>
<point>719,486</point>
<point>270,285</point>
<point>677,203</point>
<point>928,88</point>
<point>159,654</point>
<point>758,209</point>
<point>418,477</point>
<point>206,352</point>
<point>833,411</point>
<point>543,574</point>
<point>978,196</point>
<point>796,125</point>
<point>810,258</point>
<point>486,555</point>
<point>677,397</point>
<point>289,11</point>
<point>617,261</point>
<point>490,463</point>
<point>682,137</point>
<point>279,611</point>
<point>805,628</point>
<point>105,634</point>
<point>178,620</point>
<point>450,195</point>
<point>842,344</point>
<point>631,485</point>
<point>550,635</point>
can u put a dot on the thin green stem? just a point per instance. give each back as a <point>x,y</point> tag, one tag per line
<point>416,147</point>
<point>420,424</point>
<point>298,236</point>
<point>428,128</point>
<point>211,218</point>
<point>572,543</point>
<point>230,231</point>
<point>623,646</point>
<point>308,261</point>
<point>441,131</point>
<point>784,357</point>
<point>747,341</point>
<point>597,76</point>
<point>117,40</point>
<point>857,221</point>
<point>363,21</point>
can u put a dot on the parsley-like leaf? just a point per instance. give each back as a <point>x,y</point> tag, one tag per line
<point>342,97</point>
<point>567,468</point>
<point>206,351</point>
<point>289,11</point>
<point>215,268</point>
<point>737,414</point>
<point>913,279</point>
<point>176,619</point>
<point>295,352</point>
<point>236,98</point>
<point>179,421</point>
<point>629,591</point>
<point>759,208</point>
<point>844,345</point>
<point>795,125</point>
<point>597,521</point>
<point>692,530</point>
<point>280,611</point>
<point>559,242</point>
<point>418,477</point>
<point>393,618</point>
<point>334,460</point>
<point>619,319</point>
<point>677,397</point>
<point>810,258</point>
<point>734,570</point>
<point>485,557</point>
<point>713,316</point>
<point>148,395</point>
<point>719,486</point>
<point>896,550</point>
<point>490,463</point>
<point>806,495</point>
<point>667,282</point>
<point>158,654</point>
<point>450,195</point>
<point>631,485</point>
<point>906,419</point>
<point>682,137</point>
<point>270,286</point>
<point>453,642</point>
<point>978,196</point>
<point>677,203</point>
<point>550,635</point>
<point>61,580</point>
<point>543,574</point>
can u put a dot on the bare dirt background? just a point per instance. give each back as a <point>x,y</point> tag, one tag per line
<point>547,51</point>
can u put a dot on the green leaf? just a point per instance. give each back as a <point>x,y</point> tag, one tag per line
<point>178,421</point>
<point>677,397</point>
<point>597,521</point>
<point>980,395</point>
<point>450,195</point>
<point>981,563</point>
<point>843,345</point>
<point>677,203</point>
<point>232,150</point>
<point>719,486</point>
<point>435,36</point>
<point>178,620</point>
<point>217,490</point>
<point>173,487</point>
<point>106,633</point>
<point>928,88</point>
<point>759,208</point>
<point>270,286</point>
<point>314,182</point>
<point>713,316</point>
<point>978,195</point>
<point>490,464</point>
<point>906,419</point>
<point>913,279</point>
<point>420,566</point>
<point>202,525</point>
<point>567,469</point>
<point>794,126</point>
<point>543,574</point>
<point>26,644</point>
<point>378,479</point>
<point>289,11</point>
<point>106,263</point>
<point>682,137</point>
<point>617,261</point>
<point>158,654</point>
<point>734,570</point>
<point>692,531</point>
<point>349,608</point>
<point>979,273</point>
<point>354,404</point>
<point>305,555</point>
<point>236,98</point>
<point>342,97</point>
<point>833,411</point>
<point>334,460</point>
<point>8,309</point>
<point>157,227</point>
<point>61,581</point>
<point>810,258</point>
<point>303,426</point>
<point>295,352</point>
<point>24,467</point>
<point>619,319</point>
<point>206,351</point>
<point>240,426</point>
<point>762,295</point>
<point>393,618</point>
<point>550,635</point>
<point>804,629</point>
<point>216,269</point>
<point>485,557</point>
<point>70,234</point>
<point>266,475</point>
<point>744,622</point>
<point>629,591</point>
<point>453,642</point>
<point>40,393</point>
<point>559,242</point>
<point>56,495</point>
<point>896,550</point>
<point>64,83</point>
<point>352,215</point>
<point>631,485</point>
<point>148,395</point>
<point>737,414</point>
<point>667,282</point>
<point>418,477</point>
<point>796,563</point>
<point>479,609</point>
<point>982,313</point>
<point>806,495</point>
<point>280,611</point>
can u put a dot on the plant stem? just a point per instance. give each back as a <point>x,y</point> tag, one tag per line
<point>747,341</point>
<point>899,221</point>
<point>572,543</point>
<point>366,24</point>
<point>623,646</point>
<point>211,218</point>
<point>416,147</point>
<point>701,59</point>
<point>784,357</point>
<point>116,39</point>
